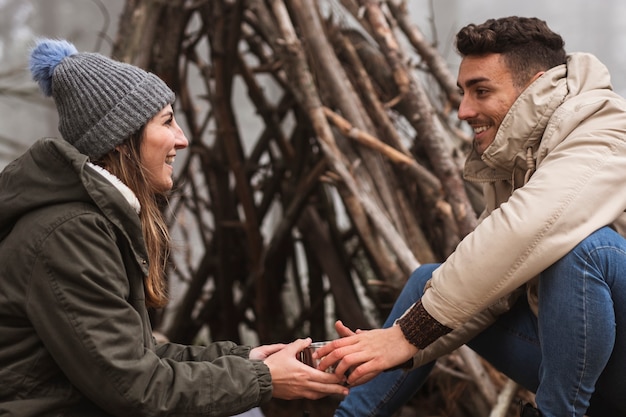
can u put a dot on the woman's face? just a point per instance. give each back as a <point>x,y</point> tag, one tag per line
<point>162,138</point>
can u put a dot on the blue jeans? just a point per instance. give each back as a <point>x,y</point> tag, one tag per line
<point>573,356</point>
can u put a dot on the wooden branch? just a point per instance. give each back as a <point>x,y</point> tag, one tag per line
<point>227,35</point>
<point>137,29</point>
<point>421,115</point>
<point>368,63</point>
<point>265,110</point>
<point>366,89</point>
<point>297,67</point>
<point>347,305</point>
<point>506,396</point>
<point>165,62</point>
<point>294,210</point>
<point>421,174</point>
<point>437,65</point>
<point>388,43</point>
<point>337,90</point>
<point>384,261</point>
<point>480,376</point>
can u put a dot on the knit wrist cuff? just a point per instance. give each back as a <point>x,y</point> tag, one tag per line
<point>420,328</point>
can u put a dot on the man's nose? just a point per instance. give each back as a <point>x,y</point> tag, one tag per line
<point>466,109</point>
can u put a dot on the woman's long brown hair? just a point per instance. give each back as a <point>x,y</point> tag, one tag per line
<point>125,163</point>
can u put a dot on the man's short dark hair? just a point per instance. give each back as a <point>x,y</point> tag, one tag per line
<point>527,44</point>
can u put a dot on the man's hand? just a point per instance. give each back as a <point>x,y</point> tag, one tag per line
<point>365,353</point>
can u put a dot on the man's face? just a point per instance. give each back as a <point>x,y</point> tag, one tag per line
<point>488,91</point>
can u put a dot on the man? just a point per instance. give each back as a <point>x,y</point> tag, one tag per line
<point>539,288</point>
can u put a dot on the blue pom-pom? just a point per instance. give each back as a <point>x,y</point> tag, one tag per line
<point>44,58</point>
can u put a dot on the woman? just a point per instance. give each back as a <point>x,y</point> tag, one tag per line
<point>83,247</point>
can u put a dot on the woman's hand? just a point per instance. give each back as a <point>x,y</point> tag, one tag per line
<point>365,353</point>
<point>293,379</point>
<point>263,352</point>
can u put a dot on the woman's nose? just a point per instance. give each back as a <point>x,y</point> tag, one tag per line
<point>181,139</point>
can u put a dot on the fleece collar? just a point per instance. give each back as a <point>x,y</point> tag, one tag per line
<point>117,183</point>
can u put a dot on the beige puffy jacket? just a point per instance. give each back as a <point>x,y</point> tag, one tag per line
<point>555,173</point>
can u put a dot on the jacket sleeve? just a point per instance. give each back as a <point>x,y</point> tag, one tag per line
<point>78,304</point>
<point>201,353</point>
<point>577,189</point>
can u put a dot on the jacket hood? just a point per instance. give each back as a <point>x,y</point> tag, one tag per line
<point>53,172</point>
<point>527,119</point>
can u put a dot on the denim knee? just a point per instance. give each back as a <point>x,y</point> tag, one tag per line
<point>412,291</point>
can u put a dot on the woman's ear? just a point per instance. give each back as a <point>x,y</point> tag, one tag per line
<point>123,150</point>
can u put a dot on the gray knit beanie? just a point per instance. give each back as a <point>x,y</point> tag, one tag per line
<point>101,102</point>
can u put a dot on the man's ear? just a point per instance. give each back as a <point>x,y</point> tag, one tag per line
<point>537,75</point>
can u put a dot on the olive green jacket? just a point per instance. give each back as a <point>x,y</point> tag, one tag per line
<point>75,337</point>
